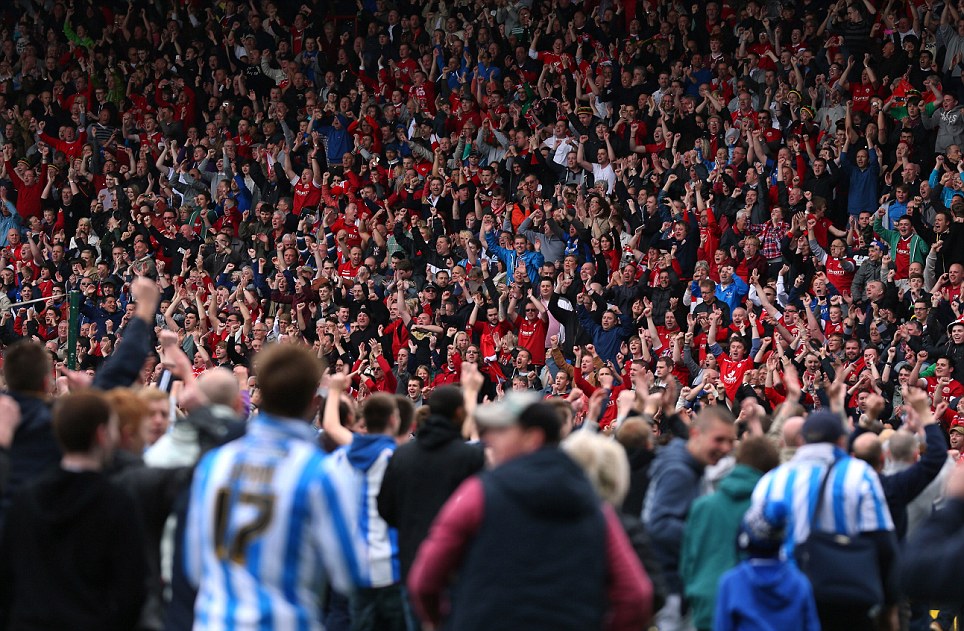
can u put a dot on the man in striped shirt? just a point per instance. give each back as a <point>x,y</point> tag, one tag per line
<point>264,533</point>
<point>853,505</point>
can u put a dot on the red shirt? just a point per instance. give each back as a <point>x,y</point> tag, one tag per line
<point>406,68</point>
<point>860,94</point>
<point>532,337</point>
<point>820,231</point>
<point>244,145</point>
<point>829,328</point>
<point>348,271</point>
<point>305,195</point>
<point>951,390</point>
<point>952,292</point>
<point>353,238</point>
<point>902,258</point>
<point>732,371</point>
<point>71,149</point>
<point>837,275</point>
<point>425,95</point>
<point>765,61</point>
<point>28,197</point>
<point>555,62</point>
<point>486,334</point>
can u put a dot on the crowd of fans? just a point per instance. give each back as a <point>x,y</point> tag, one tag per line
<point>623,207</point>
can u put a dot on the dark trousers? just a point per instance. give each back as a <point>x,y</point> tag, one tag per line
<point>412,621</point>
<point>335,614</point>
<point>378,609</point>
<point>836,618</point>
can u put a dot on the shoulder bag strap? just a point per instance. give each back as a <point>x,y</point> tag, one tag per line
<point>823,487</point>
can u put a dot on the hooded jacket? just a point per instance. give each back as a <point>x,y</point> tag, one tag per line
<point>709,541</point>
<point>674,485</point>
<point>59,567</point>
<point>949,124</point>
<point>760,595</point>
<point>420,477</point>
<point>357,471</point>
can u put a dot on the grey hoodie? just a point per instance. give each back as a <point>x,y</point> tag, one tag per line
<point>949,124</point>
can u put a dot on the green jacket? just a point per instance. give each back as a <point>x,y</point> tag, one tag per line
<point>918,249</point>
<point>709,541</point>
<point>85,42</point>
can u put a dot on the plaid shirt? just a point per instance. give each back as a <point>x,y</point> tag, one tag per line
<point>770,237</point>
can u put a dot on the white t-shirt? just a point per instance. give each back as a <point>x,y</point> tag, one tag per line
<point>606,173</point>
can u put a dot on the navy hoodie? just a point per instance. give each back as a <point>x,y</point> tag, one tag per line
<point>674,484</point>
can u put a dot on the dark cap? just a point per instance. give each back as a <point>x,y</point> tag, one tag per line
<point>762,530</point>
<point>880,245</point>
<point>430,287</point>
<point>823,427</point>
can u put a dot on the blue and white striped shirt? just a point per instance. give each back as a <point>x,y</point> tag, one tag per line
<point>853,501</point>
<point>265,533</point>
<point>357,472</point>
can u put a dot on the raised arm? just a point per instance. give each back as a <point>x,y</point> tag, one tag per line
<point>580,154</point>
<point>541,308</point>
<point>331,419</point>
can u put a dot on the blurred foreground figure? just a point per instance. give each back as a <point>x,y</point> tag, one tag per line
<point>509,532</point>
<point>262,539</point>
<point>72,552</point>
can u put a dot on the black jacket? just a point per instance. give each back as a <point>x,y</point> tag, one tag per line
<point>643,545</point>
<point>931,569</point>
<point>34,451</point>
<point>72,556</point>
<point>154,491</point>
<point>640,460</point>
<point>420,477</point>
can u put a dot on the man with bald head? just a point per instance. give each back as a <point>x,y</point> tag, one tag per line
<point>786,431</point>
<point>902,451</point>
<point>791,438</point>
<point>220,387</point>
<point>901,487</point>
<point>217,414</point>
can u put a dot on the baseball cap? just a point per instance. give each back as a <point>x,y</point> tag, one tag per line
<point>957,427</point>
<point>877,243</point>
<point>525,409</point>
<point>823,427</point>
